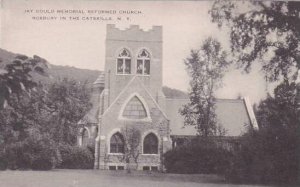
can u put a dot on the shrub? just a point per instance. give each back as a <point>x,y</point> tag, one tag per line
<point>266,156</point>
<point>17,155</point>
<point>74,157</point>
<point>202,157</point>
<point>47,154</point>
<point>37,152</point>
<point>91,148</point>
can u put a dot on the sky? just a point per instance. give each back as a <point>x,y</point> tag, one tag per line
<point>81,43</point>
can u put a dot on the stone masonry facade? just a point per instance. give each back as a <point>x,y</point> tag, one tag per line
<point>140,49</point>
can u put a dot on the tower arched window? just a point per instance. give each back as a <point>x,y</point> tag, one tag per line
<point>124,62</point>
<point>143,63</point>
<point>150,145</point>
<point>117,143</point>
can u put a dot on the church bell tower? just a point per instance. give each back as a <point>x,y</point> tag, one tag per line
<point>131,53</point>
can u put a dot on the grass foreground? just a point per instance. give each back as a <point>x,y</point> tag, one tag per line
<point>98,178</point>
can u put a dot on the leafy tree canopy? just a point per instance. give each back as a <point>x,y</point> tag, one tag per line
<point>280,111</point>
<point>206,67</point>
<point>67,101</point>
<point>54,111</point>
<point>16,76</point>
<point>267,32</point>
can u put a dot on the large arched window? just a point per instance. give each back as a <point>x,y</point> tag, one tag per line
<point>143,63</point>
<point>150,145</point>
<point>135,109</point>
<point>117,143</point>
<point>124,62</point>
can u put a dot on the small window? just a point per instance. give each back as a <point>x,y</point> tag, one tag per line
<point>112,168</point>
<point>85,137</point>
<point>150,144</point>
<point>150,168</point>
<point>120,167</point>
<point>117,143</point>
<point>124,62</point>
<point>143,63</point>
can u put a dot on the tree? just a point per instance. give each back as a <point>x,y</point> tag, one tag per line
<point>132,145</point>
<point>266,32</point>
<point>67,102</point>
<point>50,115</point>
<point>271,154</point>
<point>16,77</point>
<point>281,110</point>
<point>206,68</point>
<point>23,113</point>
<point>23,141</point>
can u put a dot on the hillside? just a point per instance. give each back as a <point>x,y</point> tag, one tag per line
<point>56,72</point>
<point>5,57</point>
<point>60,72</point>
<point>174,93</point>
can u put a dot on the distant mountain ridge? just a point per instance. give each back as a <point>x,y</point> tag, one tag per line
<point>174,93</point>
<point>58,72</point>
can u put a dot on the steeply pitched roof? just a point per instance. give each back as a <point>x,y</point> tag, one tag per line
<point>231,113</point>
<point>91,116</point>
<point>100,79</point>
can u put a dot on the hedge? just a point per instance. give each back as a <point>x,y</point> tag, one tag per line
<point>267,156</point>
<point>202,157</point>
<point>37,152</point>
<point>74,157</point>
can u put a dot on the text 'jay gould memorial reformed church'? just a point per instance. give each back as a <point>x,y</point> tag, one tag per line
<point>132,121</point>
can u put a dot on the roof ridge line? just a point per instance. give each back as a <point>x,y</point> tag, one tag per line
<point>250,113</point>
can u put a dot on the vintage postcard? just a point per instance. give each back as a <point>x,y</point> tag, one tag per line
<point>171,93</point>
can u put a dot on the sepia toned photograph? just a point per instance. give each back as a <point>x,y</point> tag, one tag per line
<point>149,93</point>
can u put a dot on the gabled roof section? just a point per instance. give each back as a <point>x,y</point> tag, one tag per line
<point>231,113</point>
<point>126,87</point>
<point>92,116</point>
<point>100,79</point>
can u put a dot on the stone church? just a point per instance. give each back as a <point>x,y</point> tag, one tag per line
<point>132,122</point>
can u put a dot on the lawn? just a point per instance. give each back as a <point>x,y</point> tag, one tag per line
<point>96,178</point>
